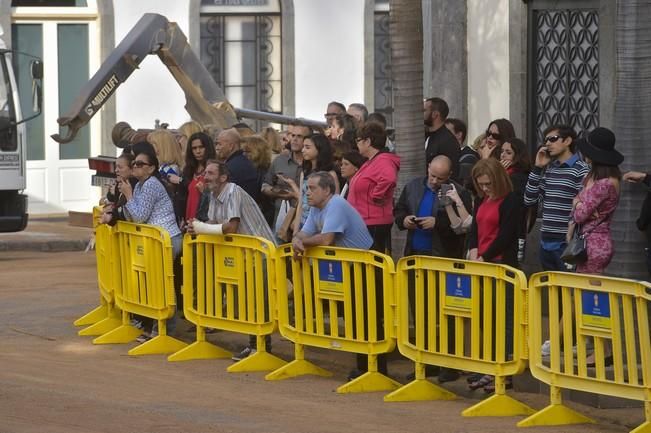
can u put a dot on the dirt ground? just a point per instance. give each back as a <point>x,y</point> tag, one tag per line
<point>52,380</point>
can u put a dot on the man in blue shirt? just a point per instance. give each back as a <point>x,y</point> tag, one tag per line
<point>332,220</point>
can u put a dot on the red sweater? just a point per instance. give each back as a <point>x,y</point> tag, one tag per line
<point>371,188</point>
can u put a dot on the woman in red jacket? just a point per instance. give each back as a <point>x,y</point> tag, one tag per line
<point>371,194</point>
<point>370,190</point>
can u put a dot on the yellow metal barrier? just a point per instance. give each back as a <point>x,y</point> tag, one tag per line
<point>610,312</point>
<point>229,284</point>
<point>145,286</point>
<point>448,296</point>
<point>106,317</point>
<point>336,294</point>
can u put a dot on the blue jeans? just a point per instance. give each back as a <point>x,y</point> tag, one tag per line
<point>550,256</point>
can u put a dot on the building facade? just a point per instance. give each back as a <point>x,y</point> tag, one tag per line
<point>534,62</point>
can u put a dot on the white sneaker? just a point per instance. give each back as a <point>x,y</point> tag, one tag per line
<point>246,352</point>
<point>136,323</point>
<point>545,348</point>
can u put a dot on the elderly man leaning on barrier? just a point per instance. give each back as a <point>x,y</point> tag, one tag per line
<point>226,208</point>
<point>333,221</point>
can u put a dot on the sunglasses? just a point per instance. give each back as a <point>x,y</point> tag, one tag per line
<point>552,139</point>
<point>358,139</point>
<point>330,114</point>
<point>494,135</point>
<point>139,164</point>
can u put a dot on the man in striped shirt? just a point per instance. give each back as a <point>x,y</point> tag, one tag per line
<point>554,182</point>
<point>226,208</point>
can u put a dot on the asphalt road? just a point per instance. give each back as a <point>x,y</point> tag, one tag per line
<point>52,380</point>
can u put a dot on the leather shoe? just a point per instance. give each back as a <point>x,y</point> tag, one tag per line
<point>608,361</point>
<point>430,371</point>
<point>448,375</point>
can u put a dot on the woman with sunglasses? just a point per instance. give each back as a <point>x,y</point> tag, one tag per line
<point>148,202</point>
<point>498,131</point>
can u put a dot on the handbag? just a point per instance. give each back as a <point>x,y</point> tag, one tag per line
<point>575,252</point>
<point>284,229</point>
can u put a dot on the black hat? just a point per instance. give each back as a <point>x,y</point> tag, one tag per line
<point>599,146</point>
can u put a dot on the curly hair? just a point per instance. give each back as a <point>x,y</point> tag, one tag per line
<point>258,151</point>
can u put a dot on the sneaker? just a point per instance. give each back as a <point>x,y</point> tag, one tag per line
<point>136,324</point>
<point>143,338</point>
<point>246,352</point>
<point>545,348</point>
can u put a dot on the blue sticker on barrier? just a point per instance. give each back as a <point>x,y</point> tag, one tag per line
<point>331,277</point>
<point>458,292</point>
<point>595,309</point>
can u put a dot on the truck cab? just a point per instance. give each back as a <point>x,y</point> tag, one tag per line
<point>13,203</point>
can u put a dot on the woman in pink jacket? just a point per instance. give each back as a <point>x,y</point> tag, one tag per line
<point>371,194</point>
<point>371,189</point>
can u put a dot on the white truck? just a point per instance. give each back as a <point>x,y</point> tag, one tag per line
<point>13,135</point>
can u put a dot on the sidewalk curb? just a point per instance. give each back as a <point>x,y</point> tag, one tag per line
<point>45,246</point>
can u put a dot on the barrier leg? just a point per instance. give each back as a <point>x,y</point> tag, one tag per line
<point>261,360</point>
<point>645,427</point>
<point>371,381</point>
<point>124,333</point>
<point>499,404</point>
<point>159,345</point>
<point>419,389</point>
<point>555,414</point>
<point>94,315</point>
<point>111,321</point>
<point>298,367</point>
<point>200,349</point>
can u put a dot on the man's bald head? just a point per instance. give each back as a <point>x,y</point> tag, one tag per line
<point>438,171</point>
<point>227,143</point>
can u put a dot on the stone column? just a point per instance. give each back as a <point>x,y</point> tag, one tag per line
<point>445,65</point>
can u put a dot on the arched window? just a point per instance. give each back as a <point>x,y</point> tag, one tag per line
<point>240,43</point>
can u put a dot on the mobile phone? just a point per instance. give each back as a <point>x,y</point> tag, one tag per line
<point>445,188</point>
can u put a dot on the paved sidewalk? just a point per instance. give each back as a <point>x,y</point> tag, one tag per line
<point>47,234</point>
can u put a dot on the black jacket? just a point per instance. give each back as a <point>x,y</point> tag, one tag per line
<point>445,242</point>
<point>443,142</point>
<point>506,243</point>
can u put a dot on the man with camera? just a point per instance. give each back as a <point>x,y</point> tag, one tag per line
<point>424,210</point>
<point>421,209</point>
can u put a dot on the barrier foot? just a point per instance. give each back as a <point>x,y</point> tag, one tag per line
<point>498,405</point>
<point>159,345</point>
<point>555,414</point>
<point>92,316</point>
<point>371,381</point>
<point>643,428</point>
<point>419,390</point>
<point>120,335</point>
<point>259,361</point>
<point>199,350</point>
<point>101,327</point>
<point>298,367</point>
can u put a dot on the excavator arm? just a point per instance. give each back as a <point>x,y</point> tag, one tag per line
<point>154,34</point>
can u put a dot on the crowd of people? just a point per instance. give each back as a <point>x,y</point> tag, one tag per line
<point>336,186</point>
